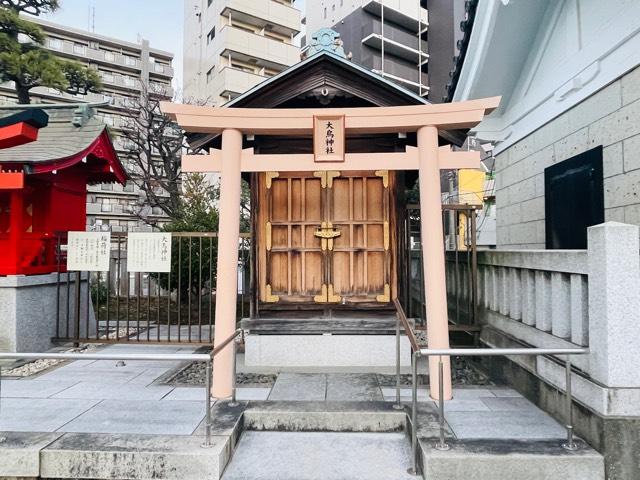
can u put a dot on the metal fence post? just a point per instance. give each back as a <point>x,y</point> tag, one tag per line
<point>207,421</point>
<point>397,405</point>
<point>414,414</point>
<point>441,445</point>
<point>233,402</point>
<point>2,439</point>
<point>570,444</point>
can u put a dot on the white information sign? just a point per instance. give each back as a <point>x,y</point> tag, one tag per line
<point>88,251</point>
<point>149,252</point>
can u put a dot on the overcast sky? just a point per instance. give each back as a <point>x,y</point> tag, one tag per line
<point>159,21</point>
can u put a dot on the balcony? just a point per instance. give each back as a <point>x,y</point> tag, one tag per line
<point>401,13</point>
<point>268,14</point>
<point>258,49</point>
<point>232,82</point>
<point>407,51</point>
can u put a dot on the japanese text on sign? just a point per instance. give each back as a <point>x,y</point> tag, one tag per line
<point>88,251</point>
<point>148,252</point>
<point>329,138</point>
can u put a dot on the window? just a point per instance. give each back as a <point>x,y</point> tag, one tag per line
<point>129,60</point>
<point>158,67</point>
<point>210,74</point>
<point>574,199</point>
<point>79,49</point>
<point>55,43</point>
<point>156,211</point>
<point>333,7</point>
<point>110,56</point>
<point>129,81</point>
<point>107,77</point>
<point>128,187</point>
<point>211,35</point>
<point>325,12</point>
<point>106,186</point>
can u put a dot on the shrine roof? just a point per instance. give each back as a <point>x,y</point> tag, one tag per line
<point>70,130</point>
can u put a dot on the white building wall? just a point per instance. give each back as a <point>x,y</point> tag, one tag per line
<point>567,75</point>
<point>611,118</point>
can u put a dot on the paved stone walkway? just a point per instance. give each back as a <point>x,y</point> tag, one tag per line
<point>100,397</point>
<point>321,456</point>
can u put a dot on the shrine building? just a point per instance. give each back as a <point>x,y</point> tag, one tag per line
<point>328,149</point>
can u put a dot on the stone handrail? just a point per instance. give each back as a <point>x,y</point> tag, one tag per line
<point>562,298</point>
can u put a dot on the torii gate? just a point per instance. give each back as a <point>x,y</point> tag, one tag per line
<point>428,158</point>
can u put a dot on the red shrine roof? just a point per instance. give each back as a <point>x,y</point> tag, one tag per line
<point>73,135</point>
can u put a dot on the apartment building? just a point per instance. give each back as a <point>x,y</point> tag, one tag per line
<point>411,42</point>
<point>125,68</point>
<point>386,36</point>
<point>232,45</point>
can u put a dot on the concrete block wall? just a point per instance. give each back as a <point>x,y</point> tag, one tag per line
<point>611,118</point>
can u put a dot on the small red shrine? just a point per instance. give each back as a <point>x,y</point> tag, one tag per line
<point>48,156</point>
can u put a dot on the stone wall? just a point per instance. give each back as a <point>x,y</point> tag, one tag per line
<point>611,118</point>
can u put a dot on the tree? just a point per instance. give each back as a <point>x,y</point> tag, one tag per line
<point>33,7</point>
<point>24,61</point>
<point>193,257</point>
<point>153,145</point>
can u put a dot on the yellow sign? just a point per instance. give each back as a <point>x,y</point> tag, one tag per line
<point>328,138</point>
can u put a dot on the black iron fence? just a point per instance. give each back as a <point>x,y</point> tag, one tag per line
<point>459,242</point>
<point>174,307</point>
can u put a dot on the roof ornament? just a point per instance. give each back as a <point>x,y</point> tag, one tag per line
<point>325,40</point>
<point>82,114</point>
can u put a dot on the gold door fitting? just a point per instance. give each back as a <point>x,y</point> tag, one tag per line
<point>268,297</point>
<point>267,235</point>
<point>326,177</point>
<point>269,176</point>
<point>386,296</point>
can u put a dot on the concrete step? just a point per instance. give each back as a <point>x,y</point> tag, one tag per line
<point>321,456</point>
<point>324,416</point>
<point>509,460</point>
<point>99,456</point>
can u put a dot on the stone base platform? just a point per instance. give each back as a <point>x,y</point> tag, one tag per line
<point>325,351</point>
<point>508,460</point>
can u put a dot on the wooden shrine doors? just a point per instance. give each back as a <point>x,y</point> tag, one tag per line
<point>325,237</point>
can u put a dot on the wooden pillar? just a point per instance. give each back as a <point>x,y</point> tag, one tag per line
<point>433,255</point>
<point>16,226</point>
<point>227,270</point>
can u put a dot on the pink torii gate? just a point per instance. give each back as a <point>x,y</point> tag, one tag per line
<point>428,158</point>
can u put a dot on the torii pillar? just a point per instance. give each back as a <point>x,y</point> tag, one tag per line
<point>433,266</point>
<point>227,262</point>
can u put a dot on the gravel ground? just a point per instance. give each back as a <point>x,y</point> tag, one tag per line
<point>464,373</point>
<point>38,366</point>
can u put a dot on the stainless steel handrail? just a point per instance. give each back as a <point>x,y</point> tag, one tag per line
<point>418,352</point>
<point>207,358</point>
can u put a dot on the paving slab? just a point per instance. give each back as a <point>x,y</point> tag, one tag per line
<point>462,405</point>
<point>353,387</point>
<point>471,393</point>
<point>156,417</point>
<point>191,394</point>
<point>32,389</point>
<point>40,414</point>
<point>148,376</point>
<point>134,457</point>
<point>125,391</point>
<point>322,456</point>
<point>501,404</point>
<point>252,393</point>
<point>521,424</point>
<point>64,374</point>
<point>510,459</point>
<point>299,387</point>
<point>505,392</point>
<point>20,453</point>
